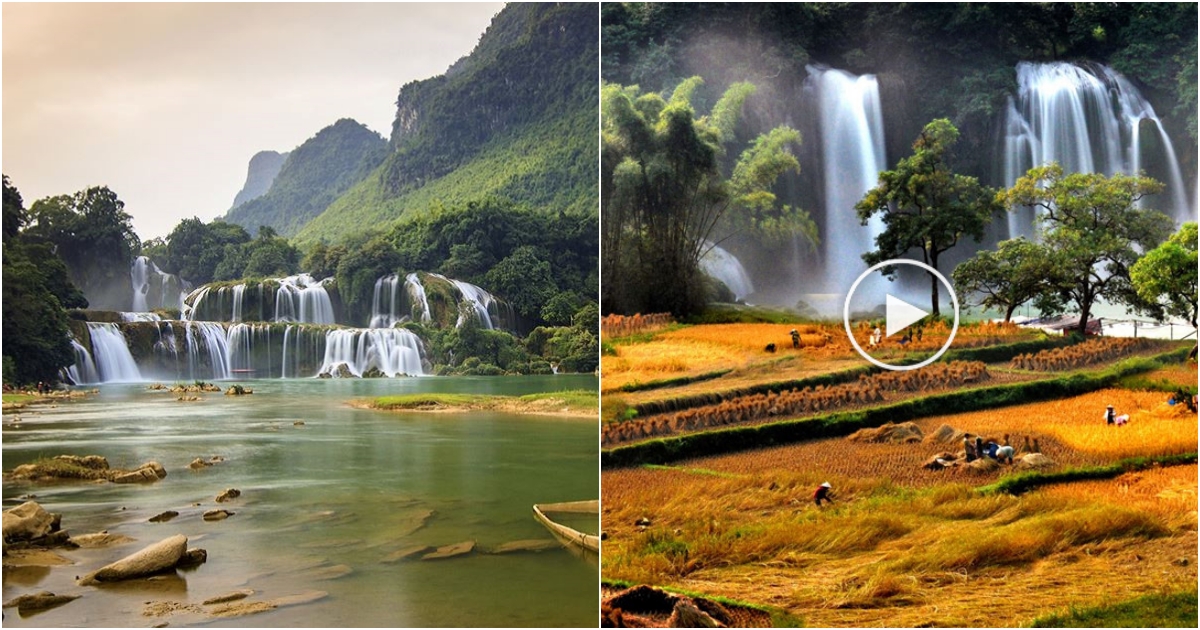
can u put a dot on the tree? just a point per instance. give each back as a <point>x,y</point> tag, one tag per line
<point>1166,275</point>
<point>665,192</point>
<point>94,236</point>
<point>925,205</point>
<point>14,210</point>
<point>1013,275</point>
<point>37,344</point>
<point>524,280</point>
<point>194,249</point>
<point>1094,229</point>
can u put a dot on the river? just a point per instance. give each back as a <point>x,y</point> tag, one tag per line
<point>323,503</point>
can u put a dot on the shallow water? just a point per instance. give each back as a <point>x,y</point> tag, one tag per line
<point>337,494</point>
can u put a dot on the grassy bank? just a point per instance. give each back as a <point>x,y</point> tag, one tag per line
<point>581,403</point>
<point>1175,610</point>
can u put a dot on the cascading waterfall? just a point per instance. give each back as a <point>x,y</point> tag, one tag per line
<point>390,351</point>
<point>239,291</point>
<point>479,299</point>
<point>216,348</point>
<point>83,371</point>
<point>1089,119</point>
<point>113,361</point>
<point>302,299</point>
<point>143,274</point>
<point>852,150</point>
<point>384,302</point>
<point>297,299</point>
<point>725,267</point>
<point>140,317</point>
<point>416,295</point>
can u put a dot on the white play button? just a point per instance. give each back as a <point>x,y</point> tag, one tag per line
<point>901,315</point>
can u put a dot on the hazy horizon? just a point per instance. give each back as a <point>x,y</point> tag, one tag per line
<point>166,104</point>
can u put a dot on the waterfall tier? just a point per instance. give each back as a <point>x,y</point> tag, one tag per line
<point>725,267</point>
<point>189,351</point>
<point>455,300</point>
<point>852,156</point>
<point>294,299</point>
<point>1090,119</point>
<point>154,288</point>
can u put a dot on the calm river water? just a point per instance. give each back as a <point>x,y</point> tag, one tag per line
<point>323,503</point>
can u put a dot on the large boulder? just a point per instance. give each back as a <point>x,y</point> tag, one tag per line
<point>160,556</point>
<point>28,521</point>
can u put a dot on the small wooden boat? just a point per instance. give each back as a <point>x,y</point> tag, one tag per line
<point>571,538</point>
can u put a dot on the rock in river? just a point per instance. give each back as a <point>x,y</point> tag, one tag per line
<point>160,556</point>
<point>451,551</point>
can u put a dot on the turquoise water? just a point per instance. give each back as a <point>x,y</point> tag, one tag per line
<point>333,496</point>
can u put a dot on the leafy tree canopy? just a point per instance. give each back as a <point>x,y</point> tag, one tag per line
<point>926,206</point>
<point>1093,228</point>
<point>668,194</point>
<point>1007,278</point>
<point>1166,275</point>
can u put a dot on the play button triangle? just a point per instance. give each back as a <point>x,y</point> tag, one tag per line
<point>901,315</point>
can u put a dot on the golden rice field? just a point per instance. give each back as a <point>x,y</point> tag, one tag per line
<point>694,350</point>
<point>1070,432</point>
<point>1167,492</point>
<point>1178,374</point>
<point>882,555</point>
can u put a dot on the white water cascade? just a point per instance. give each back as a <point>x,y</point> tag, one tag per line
<point>300,298</point>
<point>384,302</point>
<point>113,362</point>
<point>144,275</point>
<point>479,299</point>
<point>391,351</point>
<point>725,267</point>
<point>416,294</point>
<point>1089,119</point>
<point>83,371</point>
<point>852,150</point>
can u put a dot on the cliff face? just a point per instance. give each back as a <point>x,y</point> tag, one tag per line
<point>264,166</point>
<point>311,177</point>
<point>515,119</point>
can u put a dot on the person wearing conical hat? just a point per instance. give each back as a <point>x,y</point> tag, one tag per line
<point>795,338</point>
<point>822,493</point>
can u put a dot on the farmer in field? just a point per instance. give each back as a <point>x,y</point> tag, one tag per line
<point>1005,453</point>
<point>968,449</point>
<point>1110,416</point>
<point>822,493</point>
<point>795,339</point>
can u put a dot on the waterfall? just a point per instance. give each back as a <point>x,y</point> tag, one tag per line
<point>139,277</point>
<point>391,351</point>
<point>302,299</point>
<point>110,351</point>
<point>1089,119</point>
<point>384,302</point>
<point>143,274</point>
<point>725,267</point>
<point>83,371</point>
<point>140,317</point>
<point>852,156</point>
<point>416,295</point>
<point>216,347</point>
<point>238,292</point>
<point>480,300</point>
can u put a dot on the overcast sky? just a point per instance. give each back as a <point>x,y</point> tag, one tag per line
<point>165,104</point>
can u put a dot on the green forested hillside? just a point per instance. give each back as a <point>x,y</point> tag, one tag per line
<point>516,119</point>
<point>313,176</point>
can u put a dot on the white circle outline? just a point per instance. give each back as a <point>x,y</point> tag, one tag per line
<point>887,263</point>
